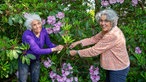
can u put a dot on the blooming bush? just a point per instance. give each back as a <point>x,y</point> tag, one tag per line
<point>48,63</point>
<point>66,74</point>
<point>53,23</point>
<point>106,3</point>
<point>94,74</point>
<point>138,50</point>
<point>75,25</point>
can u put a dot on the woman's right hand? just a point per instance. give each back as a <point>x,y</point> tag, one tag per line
<point>74,44</point>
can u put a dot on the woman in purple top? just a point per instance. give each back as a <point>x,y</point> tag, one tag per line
<point>36,37</point>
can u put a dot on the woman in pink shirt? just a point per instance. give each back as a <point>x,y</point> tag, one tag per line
<point>110,44</point>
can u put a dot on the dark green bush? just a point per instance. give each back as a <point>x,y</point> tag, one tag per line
<point>132,21</point>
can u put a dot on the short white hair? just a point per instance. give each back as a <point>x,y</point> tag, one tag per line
<point>29,18</point>
<point>111,16</point>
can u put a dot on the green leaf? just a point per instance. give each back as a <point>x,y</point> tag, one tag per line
<point>87,25</point>
<point>10,21</point>
<point>24,46</point>
<point>143,74</point>
<point>19,51</point>
<point>23,59</point>
<point>20,21</point>
<point>53,68</point>
<point>54,57</point>
<point>1,12</point>
<point>15,55</point>
<point>4,19</point>
<point>31,56</point>
<point>27,60</point>
<point>11,54</point>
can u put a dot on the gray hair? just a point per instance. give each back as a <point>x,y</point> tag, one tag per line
<point>29,18</point>
<point>111,16</point>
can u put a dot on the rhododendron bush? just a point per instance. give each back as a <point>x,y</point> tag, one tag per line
<point>67,21</point>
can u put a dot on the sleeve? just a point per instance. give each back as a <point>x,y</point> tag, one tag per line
<point>34,47</point>
<point>106,43</point>
<point>48,41</point>
<point>92,40</point>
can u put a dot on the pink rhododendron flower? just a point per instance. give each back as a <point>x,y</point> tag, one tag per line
<point>68,80</point>
<point>58,24</point>
<point>60,79</point>
<point>138,50</point>
<point>43,21</point>
<point>94,73</point>
<point>120,1</point>
<point>56,29</point>
<point>104,3</point>
<point>112,1</point>
<point>134,2</point>
<point>47,63</point>
<point>49,30</point>
<point>60,15</point>
<point>95,78</point>
<point>51,20</point>
<point>66,74</point>
<point>66,69</point>
<point>76,79</point>
<point>54,21</point>
<point>53,75</point>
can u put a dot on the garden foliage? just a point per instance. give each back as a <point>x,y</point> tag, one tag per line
<point>77,23</point>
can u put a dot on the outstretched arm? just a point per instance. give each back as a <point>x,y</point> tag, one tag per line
<point>37,50</point>
<point>104,44</point>
<point>88,41</point>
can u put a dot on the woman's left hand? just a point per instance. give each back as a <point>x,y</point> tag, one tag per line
<point>73,52</point>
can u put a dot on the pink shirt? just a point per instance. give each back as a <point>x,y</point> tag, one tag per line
<point>111,47</point>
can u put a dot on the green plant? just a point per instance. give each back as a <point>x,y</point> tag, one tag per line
<point>7,62</point>
<point>25,58</point>
<point>78,24</point>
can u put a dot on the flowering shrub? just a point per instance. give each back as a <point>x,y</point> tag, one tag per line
<point>106,3</point>
<point>140,57</point>
<point>137,50</point>
<point>66,74</point>
<point>53,23</point>
<point>94,74</point>
<point>48,63</point>
<point>131,14</point>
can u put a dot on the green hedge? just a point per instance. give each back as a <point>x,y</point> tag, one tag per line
<point>79,24</point>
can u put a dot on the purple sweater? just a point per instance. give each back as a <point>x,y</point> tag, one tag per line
<point>37,44</point>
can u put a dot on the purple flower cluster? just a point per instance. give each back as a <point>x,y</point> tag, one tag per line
<point>94,74</point>
<point>138,50</point>
<point>48,63</point>
<point>54,22</point>
<point>51,20</point>
<point>106,3</point>
<point>120,1</point>
<point>60,15</point>
<point>134,2</point>
<point>66,76</point>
